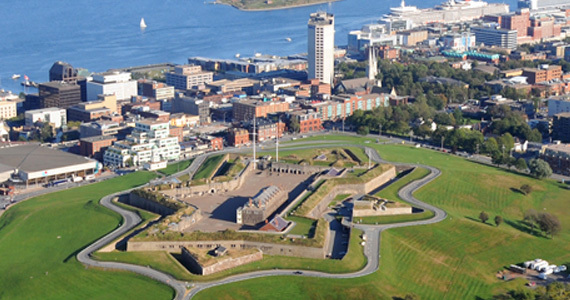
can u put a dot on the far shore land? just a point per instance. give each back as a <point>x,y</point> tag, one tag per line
<point>227,2</point>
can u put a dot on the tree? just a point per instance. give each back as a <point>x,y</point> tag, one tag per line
<point>483,216</point>
<point>363,130</point>
<point>526,189</point>
<point>498,220</point>
<point>294,125</point>
<point>520,164</point>
<point>46,133</point>
<point>548,223</point>
<point>530,217</point>
<point>411,297</point>
<point>539,168</point>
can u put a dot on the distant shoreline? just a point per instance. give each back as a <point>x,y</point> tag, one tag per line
<point>274,8</point>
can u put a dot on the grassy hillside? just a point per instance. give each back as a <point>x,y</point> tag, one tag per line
<point>39,239</point>
<point>454,259</point>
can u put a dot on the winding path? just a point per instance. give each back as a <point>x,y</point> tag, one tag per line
<point>371,248</point>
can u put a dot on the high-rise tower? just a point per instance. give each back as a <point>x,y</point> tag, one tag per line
<point>321,47</point>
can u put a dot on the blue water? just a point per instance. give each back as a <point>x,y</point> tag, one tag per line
<point>103,34</point>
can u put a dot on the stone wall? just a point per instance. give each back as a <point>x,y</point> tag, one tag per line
<point>146,204</point>
<point>296,169</point>
<point>212,187</point>
<point>266,248</point>
<point>186,221</point>
<point>194,266</point>
<point>361,188</point>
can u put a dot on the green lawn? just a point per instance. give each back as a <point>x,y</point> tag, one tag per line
<point>339,198</point>
<point>454,259</point>
<point>336,137</point>
<point>176,167</point>
<point>395,218</point>
<point>40,237</point>
<point>391,193</point>
<point>208,167</point>
<point>303,226</point>
<point>354,260</point>
<point>309,155</point>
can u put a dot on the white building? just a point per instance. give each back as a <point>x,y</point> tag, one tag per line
<point>371,34</point>
<point>150,142</point>
<point>459,41</point>
<point>118,83</point>
<point>558,105</point>
<point>53,115</point>
<point>7,109</point>
<point>321,47</point>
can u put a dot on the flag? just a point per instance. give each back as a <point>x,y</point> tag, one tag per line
<point>26,77</point>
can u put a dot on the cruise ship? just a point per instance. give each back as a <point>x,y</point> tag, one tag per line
<point>542,4</point>
<point>452,11</point>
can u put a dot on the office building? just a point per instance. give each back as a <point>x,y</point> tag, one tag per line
<point>321,47</point>
<point>185,77</point>
<point>62,71</point>
<point>93,110</point>
<point>561,127</point>
<point>493,36</point>
<point>155,90</point>
<point>558,104</point>
<point>52,115</point>
<point>246,109</point>
<point>369,35</point>
<point>58,94</point>
<point>118,83</point>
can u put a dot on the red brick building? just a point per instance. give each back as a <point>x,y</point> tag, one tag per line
<point>95,146</point>
<point>546,73</point>
<point>387,52</point>
<point>266,129</point>
<point>245,110</point>
<point>309,121</point>
<point>237,137</point>
<point>216,143</point>
<point>177,132</point>
<point>519,21</point>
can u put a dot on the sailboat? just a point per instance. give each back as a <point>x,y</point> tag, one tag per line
<point>143,24</point>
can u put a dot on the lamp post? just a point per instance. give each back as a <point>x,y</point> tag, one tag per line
<point>379,130</point>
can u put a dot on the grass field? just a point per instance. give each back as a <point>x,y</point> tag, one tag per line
<point>376,220</point>
<point>303,226</point>
<point>391,193</point>
<point>454,259</point>
<point>340,158</point>
<point>207,168</point>
<point>40,237</point>
<point>339,198</point>
<point>176,167</point>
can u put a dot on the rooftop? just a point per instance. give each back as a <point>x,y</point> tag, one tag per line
<point>32,158</point>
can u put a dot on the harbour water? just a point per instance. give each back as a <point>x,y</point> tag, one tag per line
<point>103,34</point>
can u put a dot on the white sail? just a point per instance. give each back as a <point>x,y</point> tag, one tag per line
<point>143,24</point>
